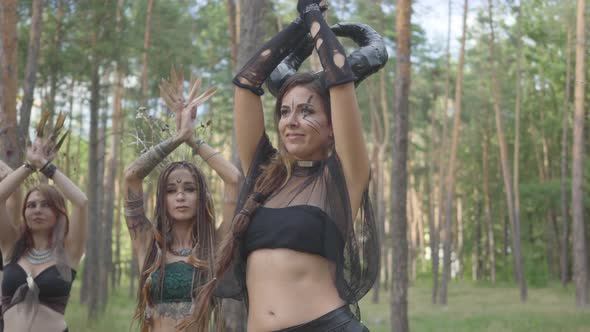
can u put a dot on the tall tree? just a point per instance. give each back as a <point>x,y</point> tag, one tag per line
<point>231,15</point>
<point>450,176</point>
<point>146,46</point>
<point>578,153</point>
<point>9,82</point>
<point>564,146</point>
<point>399,182</point>
<point>30,74</point>
<point>380,125</point>
<point>517,105</point>
<point>487,208</point>
<point>432,220</point>
<point>103,239</point>
<point>441,164</point>
<point>55,60</point>
<point>111,167</point>
<point>92,262</point>
<point>251,33</point>
<point>513,214</point>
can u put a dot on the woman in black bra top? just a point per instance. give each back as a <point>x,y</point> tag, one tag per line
<point>294,254</point>
<point>175,252</point>
<point>42,255</point>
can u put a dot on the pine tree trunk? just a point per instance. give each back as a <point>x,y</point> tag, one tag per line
<point>450,175</point>
<point>146,46</point>
<point>9,149</point>
<point>564,146</point>
<point>460,236</point>
<point>421,240</point>
<point>111,172</point>
<point>55,61</point>
<point>578,230</point>
<point>513,214</point>
<point>103,285</point>
<point>92,263</point>
<point>30,74</point>
<point>374,158</point>
<point>118,220</point>
<point>476,252</point>
<point>488,210</point>
<point>250,28</point>
<point>71,116</point>
<point>432,221</point>
<point>517,111</point>
<point>231,15</point>
<point>442,234</point>
<point>399,182</point>
<point>412,232</point>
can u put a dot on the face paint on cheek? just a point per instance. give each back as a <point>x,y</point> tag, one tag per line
<point>313,124</point>
<point>306,107</point>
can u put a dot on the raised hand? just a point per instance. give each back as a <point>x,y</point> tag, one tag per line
<point>44,149</point>
<point>303,6</point>
<point>184,109</point>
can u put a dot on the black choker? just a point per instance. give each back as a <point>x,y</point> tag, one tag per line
<point>306,167</point>
<point>306,163</point>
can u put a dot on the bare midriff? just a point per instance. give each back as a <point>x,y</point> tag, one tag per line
<point>288,288</point>
<point>17,319</point>
<point>164,324</point>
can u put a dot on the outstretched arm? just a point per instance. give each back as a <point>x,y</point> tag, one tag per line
<point>346,120</point>
<point>8,186</point>
<point>40,155</point>
<point>75,241</point>
<point>13,201</point>
<point>248,114</point>
<point>137,223</point>
<point>186,113</point>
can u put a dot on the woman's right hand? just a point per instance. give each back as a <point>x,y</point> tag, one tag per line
<point>186,120</point>
<point>40,152</point>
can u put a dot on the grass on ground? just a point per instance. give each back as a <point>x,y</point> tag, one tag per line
<point>471,308</point>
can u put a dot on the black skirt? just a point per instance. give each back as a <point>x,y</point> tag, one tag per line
<point>339,320</point>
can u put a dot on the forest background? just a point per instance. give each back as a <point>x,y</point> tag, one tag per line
<point>488,137</point>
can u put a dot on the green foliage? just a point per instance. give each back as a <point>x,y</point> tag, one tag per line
<point>194,36</point>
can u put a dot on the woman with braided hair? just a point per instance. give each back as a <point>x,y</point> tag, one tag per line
<point>299,253</point>
<point>176,251</point>
<point>42,255</point>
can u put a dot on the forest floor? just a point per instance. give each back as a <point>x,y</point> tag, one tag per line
<point>470,307</point>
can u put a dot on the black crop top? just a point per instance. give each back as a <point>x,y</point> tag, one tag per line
<point>305,228</point>
<point>310,213</point>
<point>53,290</point>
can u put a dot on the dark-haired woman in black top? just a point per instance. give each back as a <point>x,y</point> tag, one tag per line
<point>296,255</point>
<point>42,255</point>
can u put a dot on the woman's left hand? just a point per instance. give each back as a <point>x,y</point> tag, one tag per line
<point>302,5</point>
<point>185,110</point>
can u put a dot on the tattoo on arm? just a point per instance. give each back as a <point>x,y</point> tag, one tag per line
<point>143,165</point>
<point>137,222</point>
<point>174,310</point>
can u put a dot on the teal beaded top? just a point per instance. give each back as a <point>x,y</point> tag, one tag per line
<point>177,283</point>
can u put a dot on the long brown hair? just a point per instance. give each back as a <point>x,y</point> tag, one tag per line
<point>203,231</point>
<point>56,203</point>
<point>274,175</point>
